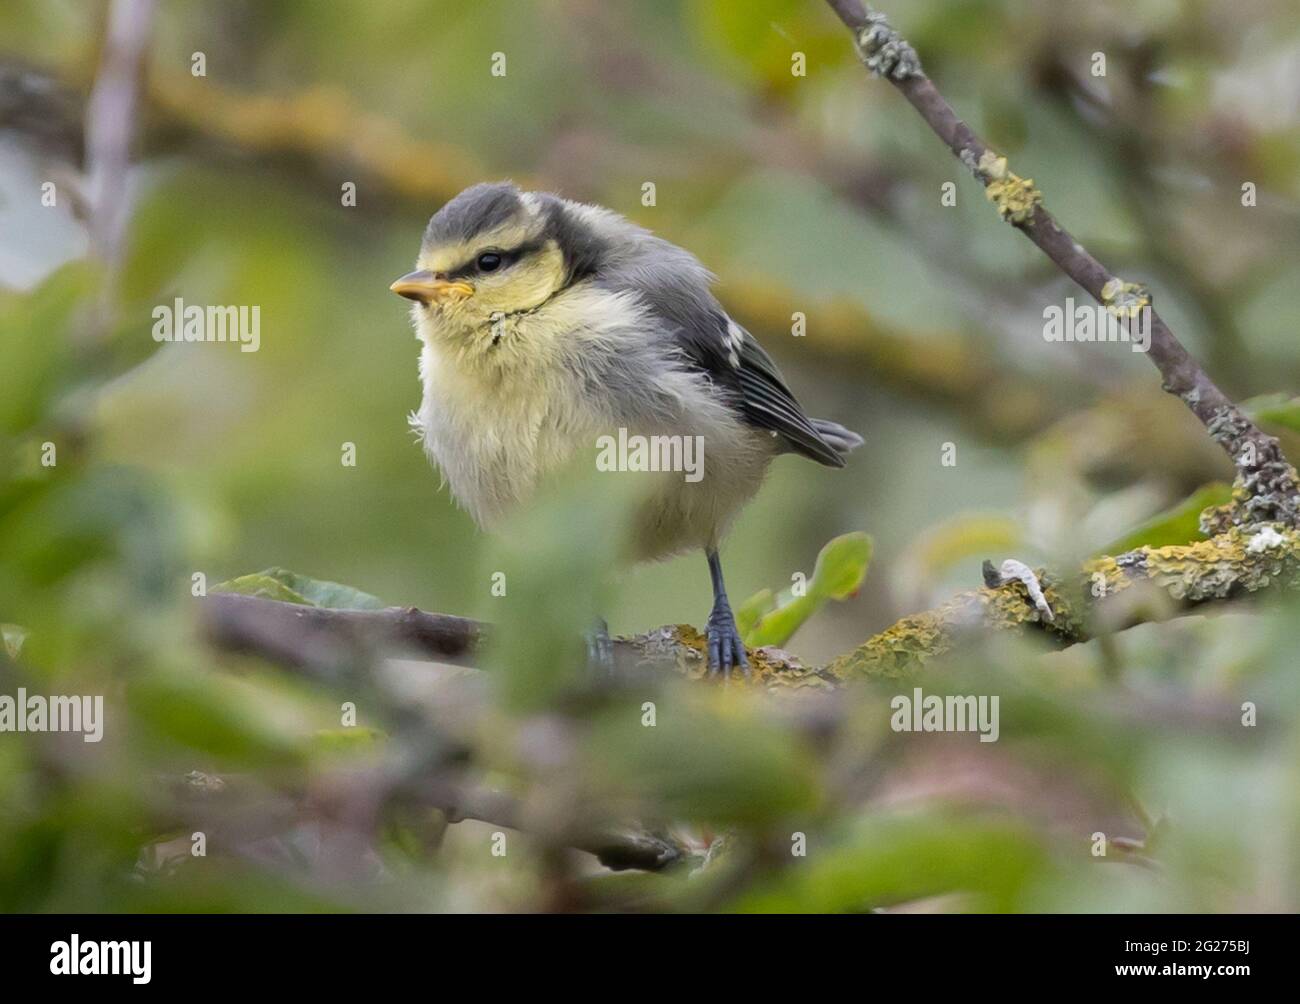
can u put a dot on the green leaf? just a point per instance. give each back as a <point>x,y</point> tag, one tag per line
<point>1179,525</point>
<point>901,858</point>
<point>35,330</point>
<point>840,569</point>
<point>290,587</point>
<point>1274,409</point>
<point>752,610</point>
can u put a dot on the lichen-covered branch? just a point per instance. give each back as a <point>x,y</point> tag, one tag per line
<point>325,642</point>
<point>1100,596</point>
<point>1234,563</point>
<point>1272,493</point>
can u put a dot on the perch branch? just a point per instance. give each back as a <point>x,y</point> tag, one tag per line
<point>1272,493</point>
<point>1107,592</point>
<point>318,638</point>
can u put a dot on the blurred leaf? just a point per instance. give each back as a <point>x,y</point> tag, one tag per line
<point>762,36</point>
<point>840,569</point>
<point>954,540</point>
<point>1178,525</point>
<point>343,739</point>
<point>290,587</point>
<point>967,535</point>
<point>76,518</point>
<point>751,611</point>
<point>13,637</point>
<point>901,859</point>
<point>36,331</point>
<point>1274,409</point>
<point>217,715</point>
<point>554,576</point>
<point>709,758</point>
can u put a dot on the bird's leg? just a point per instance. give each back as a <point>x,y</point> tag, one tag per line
<point>600,648</point>
<point>725,647</point>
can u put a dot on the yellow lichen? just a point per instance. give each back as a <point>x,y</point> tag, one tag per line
<point>1014,196</point>
<point>1238,561</point>
<point>1225,565</point>
<point>1125,299</point>
<point>685,649</point>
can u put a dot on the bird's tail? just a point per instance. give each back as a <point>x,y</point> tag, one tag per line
<point>838,438</point>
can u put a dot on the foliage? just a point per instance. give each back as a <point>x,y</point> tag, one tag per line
<point>290,587</point>
<point>840,568</point>
<point>323,784</point>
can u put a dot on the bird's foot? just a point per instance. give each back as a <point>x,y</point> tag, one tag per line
<point>725,647</point>
<point>600,649</point>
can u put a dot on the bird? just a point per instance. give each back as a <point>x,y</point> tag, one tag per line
<point>547,323</point>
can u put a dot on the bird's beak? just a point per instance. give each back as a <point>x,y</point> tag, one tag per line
<point>427,288</point>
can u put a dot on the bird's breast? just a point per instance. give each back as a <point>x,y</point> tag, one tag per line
<point>496,432</point>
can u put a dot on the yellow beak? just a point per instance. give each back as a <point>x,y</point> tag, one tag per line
<point>427,288</point>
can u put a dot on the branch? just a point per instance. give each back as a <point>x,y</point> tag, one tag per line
<point>243,813</point>
<point>297,635</point>
<point>1272,491</point>
<point>616,848</point>
<point>1107,592</point>
<point>324,642</point>
<point>110,124</point>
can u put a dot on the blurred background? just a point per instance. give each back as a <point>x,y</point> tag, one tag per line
<point>813,192</point>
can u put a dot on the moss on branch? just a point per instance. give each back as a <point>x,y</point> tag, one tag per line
<point>1234,563</point>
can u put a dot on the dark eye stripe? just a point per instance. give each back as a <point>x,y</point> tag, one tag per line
<point>508,258</point>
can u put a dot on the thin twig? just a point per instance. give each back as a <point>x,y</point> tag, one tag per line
<point>110,124</point>
<point>1269,481</point>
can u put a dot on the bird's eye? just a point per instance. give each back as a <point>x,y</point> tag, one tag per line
<point>489,261</point>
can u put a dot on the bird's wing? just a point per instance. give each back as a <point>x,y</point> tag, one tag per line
<point>673,284</point>
<point>768,401</point>
<point>734,360</point>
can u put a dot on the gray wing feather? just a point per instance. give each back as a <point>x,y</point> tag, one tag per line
<point>675,286</point>
<point>769,403</point>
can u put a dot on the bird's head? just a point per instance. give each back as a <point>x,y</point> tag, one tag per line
<point>494,250</point>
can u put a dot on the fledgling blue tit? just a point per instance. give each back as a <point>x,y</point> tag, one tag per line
<point>547,324</point>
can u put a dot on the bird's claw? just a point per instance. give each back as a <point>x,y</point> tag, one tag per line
<point>725,647</point>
